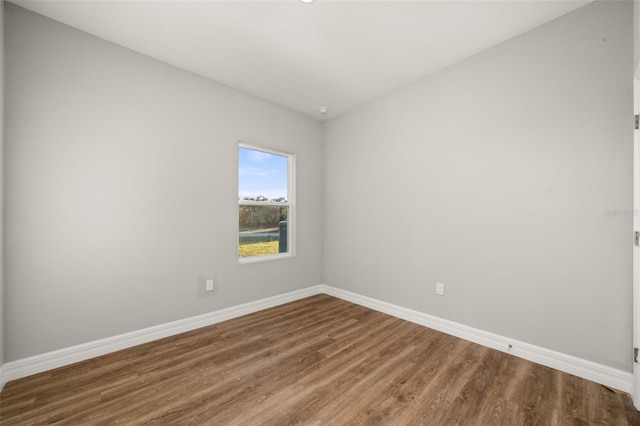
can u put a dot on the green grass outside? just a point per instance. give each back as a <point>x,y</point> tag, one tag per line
<point>258,249</point>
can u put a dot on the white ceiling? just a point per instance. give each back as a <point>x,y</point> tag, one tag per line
<point>337,54</point>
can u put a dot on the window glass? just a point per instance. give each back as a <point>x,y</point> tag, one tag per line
<point>264,203</point>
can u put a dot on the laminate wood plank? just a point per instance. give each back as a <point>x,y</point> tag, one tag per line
<point>316,361</point>
<point>335,384</point>
<point>537,394</point>
<point>229,386</point>
<point>572,408</point>
<point>435,400</point>
<point>300,343</point>
<point>193,361</point>
<point>630,413</point>
<point>498,408</point>
<point>600,404</point>
<point>384,375</point>
<point>300,402</point>
<point>426,362</point>
<point>352,341</point>
<point>176,411</point>
<point>479,387</point>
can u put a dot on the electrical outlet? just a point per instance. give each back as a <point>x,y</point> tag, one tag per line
<point>209,285</point>
<point>440,289</point>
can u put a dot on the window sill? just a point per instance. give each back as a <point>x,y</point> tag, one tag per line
<point>265,258</point>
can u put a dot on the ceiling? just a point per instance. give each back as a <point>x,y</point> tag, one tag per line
<point>335,54</point>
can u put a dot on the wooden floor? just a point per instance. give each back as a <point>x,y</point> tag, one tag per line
<point>318,361</point>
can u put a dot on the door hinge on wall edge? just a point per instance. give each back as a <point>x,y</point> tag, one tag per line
<point>637,121</point>
<point>635,355</point>
<point>636,238</point>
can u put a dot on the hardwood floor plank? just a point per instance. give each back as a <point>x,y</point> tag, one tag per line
<point>538,394</point>
<point>435,400</point>
<point>378,382</point>
<point>630,412</point>
<point>316,361</point>
<point>573,410</point>
<point>477,390</point>
<point>341,365</point>
<point>601,402</point>
<point>416,380</point>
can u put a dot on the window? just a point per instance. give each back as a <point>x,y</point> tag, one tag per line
<point>265,204</point>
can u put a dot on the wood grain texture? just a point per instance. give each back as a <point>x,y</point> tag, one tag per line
<point>316,361</point>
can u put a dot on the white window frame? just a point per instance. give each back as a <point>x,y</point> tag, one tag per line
<point>291,196</point>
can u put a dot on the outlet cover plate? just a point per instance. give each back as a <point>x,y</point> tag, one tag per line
<point>209,285</point>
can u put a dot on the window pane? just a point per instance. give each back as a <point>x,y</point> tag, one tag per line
<point>263,230</point>
<point>262,176</point>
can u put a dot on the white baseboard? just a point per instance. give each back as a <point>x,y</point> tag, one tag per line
<point>3,379</point>
<point>607,376</point>
<point>50,360</point>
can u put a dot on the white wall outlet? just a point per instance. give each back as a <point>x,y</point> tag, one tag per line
<point>209,285</point>
<point>440,289</point>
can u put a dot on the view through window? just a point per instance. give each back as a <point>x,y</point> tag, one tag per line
<point>264,197</point>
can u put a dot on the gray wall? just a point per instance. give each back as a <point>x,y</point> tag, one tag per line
<point>121,190</point>
<point>508,177</point>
